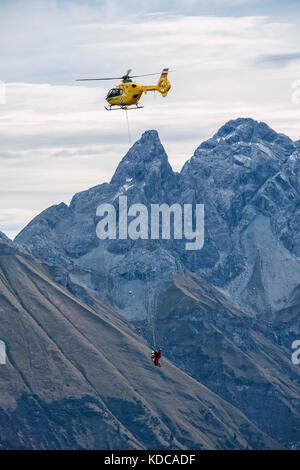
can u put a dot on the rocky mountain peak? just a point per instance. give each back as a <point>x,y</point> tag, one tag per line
<point>247,137</point>
<point>246,129</point>
<point>245,171</point>
<point>145,157</point>
<point>6,245</point>
<point>3,237</point>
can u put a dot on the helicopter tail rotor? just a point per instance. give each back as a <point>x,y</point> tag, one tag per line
<point>164,85</point>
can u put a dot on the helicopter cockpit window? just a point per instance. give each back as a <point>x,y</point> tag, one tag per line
<point>114,92</point>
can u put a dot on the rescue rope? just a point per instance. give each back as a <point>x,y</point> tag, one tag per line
<point>150,316</point>
<point>154,339</point>
<point>128,128</point>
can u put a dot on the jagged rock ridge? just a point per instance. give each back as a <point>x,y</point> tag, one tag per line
<point>247,177</point>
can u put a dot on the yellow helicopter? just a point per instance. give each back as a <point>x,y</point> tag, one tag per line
<point>127,94</point>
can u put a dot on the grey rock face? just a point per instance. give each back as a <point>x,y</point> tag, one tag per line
<point>115,269</point>
<point>246,171</point>
<point>3,236</point>
<point>247,177</point>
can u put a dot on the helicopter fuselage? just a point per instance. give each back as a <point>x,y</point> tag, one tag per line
<point>129,93</point>
<point>125,94</point>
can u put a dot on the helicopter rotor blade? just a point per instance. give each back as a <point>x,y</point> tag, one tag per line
<point>124,77</point>
<point>91,79</point>
<point>105,78</point>
<point>148,74</point>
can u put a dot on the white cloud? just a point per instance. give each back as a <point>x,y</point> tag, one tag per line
<point>56,138</point>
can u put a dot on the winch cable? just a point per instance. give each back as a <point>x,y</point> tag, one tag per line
<point>150,316</point>
<point>128,128</point>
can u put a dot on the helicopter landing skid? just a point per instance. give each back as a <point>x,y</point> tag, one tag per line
<point>125,108</point>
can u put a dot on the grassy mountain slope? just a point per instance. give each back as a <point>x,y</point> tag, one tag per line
<point>80,378</point>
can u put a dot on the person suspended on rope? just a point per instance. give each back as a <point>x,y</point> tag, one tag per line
<point>155,356</point>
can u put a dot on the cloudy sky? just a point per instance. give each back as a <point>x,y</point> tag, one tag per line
<point>233,58</point>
